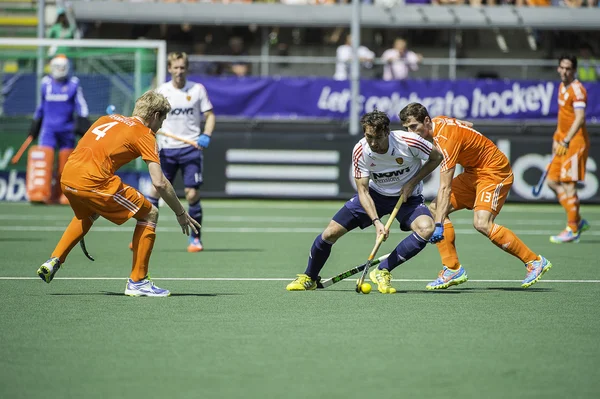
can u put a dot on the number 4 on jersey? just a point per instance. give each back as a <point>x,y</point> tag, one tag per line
<point>100,131</point>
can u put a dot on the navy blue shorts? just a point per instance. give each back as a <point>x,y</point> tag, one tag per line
<point>61,140</point>
<point>188,159</point>
<point>353,215</point>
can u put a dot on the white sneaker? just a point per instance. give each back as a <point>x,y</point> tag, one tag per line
<point>144,287</point>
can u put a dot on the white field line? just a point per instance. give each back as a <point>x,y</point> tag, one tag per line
<point>284,279</point>
<point>252,230</point>
<point>278,219</point>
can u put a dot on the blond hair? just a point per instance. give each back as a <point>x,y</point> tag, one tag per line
<point>149,103</point>
<point>174,56</point>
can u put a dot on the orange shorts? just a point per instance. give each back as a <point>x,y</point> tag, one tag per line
<point>571,166</point>
<point>474,192</point>
<point>118,207</point>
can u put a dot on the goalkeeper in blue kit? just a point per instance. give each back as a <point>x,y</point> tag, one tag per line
<point>62,113</point>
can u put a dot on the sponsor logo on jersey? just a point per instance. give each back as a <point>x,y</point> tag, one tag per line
<point>182,111</point>
<point>399,161</point>
<point>57,97</point>
<point>385,177</point>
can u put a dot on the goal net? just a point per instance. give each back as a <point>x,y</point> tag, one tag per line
<point>110,71</point>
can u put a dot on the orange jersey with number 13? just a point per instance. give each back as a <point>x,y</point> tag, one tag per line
<point>570,98</point>
<point>465,146</point>
<point>111,142</point>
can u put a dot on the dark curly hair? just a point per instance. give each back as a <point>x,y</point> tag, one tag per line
<point>378,120</point>
<point>568,57</point>
<point>413,109</point>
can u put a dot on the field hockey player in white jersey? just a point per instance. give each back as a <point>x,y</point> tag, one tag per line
<point>189,101</point>
<point>386,165</point>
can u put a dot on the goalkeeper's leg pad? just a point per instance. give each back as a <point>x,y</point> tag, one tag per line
<point>40,162</point>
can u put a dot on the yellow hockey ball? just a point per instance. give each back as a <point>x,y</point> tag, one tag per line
<point>365,288</point>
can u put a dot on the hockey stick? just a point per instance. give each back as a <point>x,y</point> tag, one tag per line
<point>190,142</point>
<point>537,189</point>
<point>84,249</point>
<point>361,279</point>
<point>19,153</point>
<point>348,273</point>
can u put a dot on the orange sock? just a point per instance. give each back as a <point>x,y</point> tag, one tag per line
<point>571,205</point>
<point>143,242</point>
<point>573,216</point>
<point>72,235</point>
<point>447,248</point>
<point>506,240</point>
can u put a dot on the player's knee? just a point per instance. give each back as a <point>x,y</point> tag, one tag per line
<point>192,195</point>
<point>152,216</point>
<point>333,232</point>
<point>424,226</point>
<point>483,226</point>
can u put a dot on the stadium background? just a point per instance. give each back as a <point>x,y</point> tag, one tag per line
<point>288,104</point>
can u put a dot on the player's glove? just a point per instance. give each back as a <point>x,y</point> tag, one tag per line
<point>438,233</point>
<point>34,129</point>
<point>82,124</point>
<point>562,148</point>
<point>204,140</point>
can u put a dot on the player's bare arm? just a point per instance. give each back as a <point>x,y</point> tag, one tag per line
<point>209,125</point>
<point>443,196</point>
<point>435,158</point>
<point>561,147</point>
<point>167,192</point>
<point>362,186</point>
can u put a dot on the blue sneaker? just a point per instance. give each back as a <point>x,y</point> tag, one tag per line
<point>582,226</point>
<point>48,269</point>
<point>448,277</point>
<point>535,270</point>
<point>144,287</point>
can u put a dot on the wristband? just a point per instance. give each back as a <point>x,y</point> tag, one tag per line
<point>565,143</point>
<point>181,214</point>
<point>373,221</point>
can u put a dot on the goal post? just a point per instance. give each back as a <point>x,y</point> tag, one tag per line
<point>111,71</point>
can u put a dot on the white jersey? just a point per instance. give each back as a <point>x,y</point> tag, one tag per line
<point>187,106</point>
<point>390,171</point>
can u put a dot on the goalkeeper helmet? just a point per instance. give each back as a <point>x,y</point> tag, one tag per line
<point>59,67</point>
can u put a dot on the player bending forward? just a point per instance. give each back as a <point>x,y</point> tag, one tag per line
<point>93,190</point>
<point>386,165</point>
<point>483,187</point>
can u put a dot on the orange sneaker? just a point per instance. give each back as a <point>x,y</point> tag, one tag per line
<point>195,245</point>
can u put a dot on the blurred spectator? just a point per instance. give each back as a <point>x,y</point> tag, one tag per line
<point>588,69</point>
<point>201,67</point>
<point>237,68</point>
<point>181,38</point>
<point>538,3</point>
<point>344,58</point>
<point>62,27</point>
<point>399,60</point>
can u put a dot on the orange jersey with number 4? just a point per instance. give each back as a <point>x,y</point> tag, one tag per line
<point>465,146</point>
<point>111,142</point>
<point>570,98</point>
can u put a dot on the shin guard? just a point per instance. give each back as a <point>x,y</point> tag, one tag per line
<point>40,163</point>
